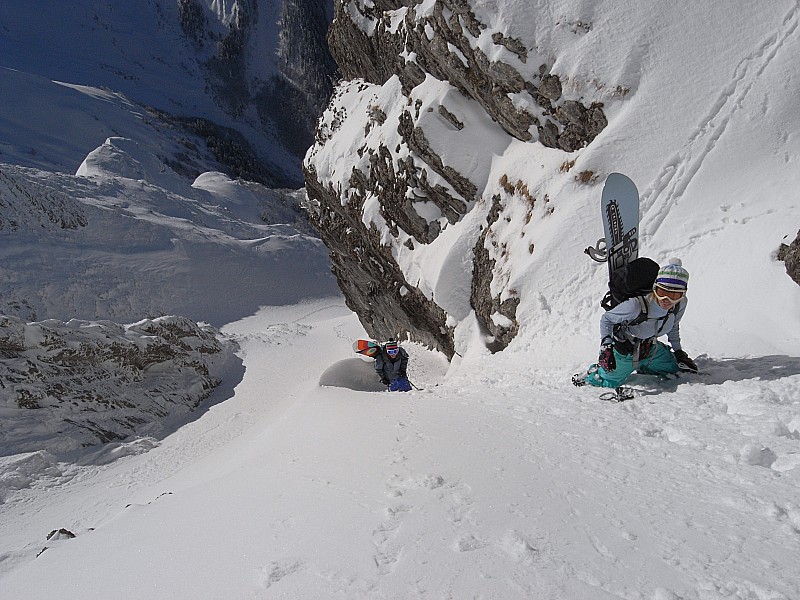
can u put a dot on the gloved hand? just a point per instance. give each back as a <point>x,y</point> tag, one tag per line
<point>384,381</point>
<point>685,362</point>
<point>606,358</point>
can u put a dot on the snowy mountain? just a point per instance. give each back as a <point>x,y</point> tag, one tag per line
<point>96,382</point>
<point>127,238</point>
<point>114,207</point>
<point>457,175</point>
<point>449,219</point>
<point>195,72</point>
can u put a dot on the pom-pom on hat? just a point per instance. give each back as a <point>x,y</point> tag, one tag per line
<point>673,276</point>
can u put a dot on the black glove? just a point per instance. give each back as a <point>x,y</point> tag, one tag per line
<point>384,381</point>
<point>685,362</point>
<point>606,358</point>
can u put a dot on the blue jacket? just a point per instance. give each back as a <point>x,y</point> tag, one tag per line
<point>655,325</point>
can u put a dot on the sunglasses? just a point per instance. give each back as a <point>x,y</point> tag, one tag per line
<point>392,351</point>
<point>673,297</point>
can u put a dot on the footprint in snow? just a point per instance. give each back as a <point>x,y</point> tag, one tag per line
<point>387,553</point>
<point>518,548</point>
<point>468,543</point>
<point>414,482</point>
<point>278,570</point>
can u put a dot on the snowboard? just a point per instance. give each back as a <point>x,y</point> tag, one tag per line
<point>366,347</point>
<point>619,207</point>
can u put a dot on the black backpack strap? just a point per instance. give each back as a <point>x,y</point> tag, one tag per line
<point>672,311</point>
<point>607,300</point>
<point>633,347</point>
<point>622,342</point>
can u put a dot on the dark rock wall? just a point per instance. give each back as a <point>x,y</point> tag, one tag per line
<point>790,255</point>
<point>442,44</point>
<point>287,104</point>
<point>372,282</point>
<point>375,58</point>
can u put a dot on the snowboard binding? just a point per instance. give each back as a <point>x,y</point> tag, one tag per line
<point>599,252</point>
<point>619,394</point>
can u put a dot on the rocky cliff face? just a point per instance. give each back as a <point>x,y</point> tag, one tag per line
<point>790,255</point>
<point>96,381</point>
<point>432,90</point>
<point>284,81</point>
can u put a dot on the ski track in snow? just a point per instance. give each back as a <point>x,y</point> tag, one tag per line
<point>676,176</point>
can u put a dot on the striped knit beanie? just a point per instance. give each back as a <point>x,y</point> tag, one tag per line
<point>673,276</point>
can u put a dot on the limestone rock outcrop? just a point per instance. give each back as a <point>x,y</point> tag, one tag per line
<point>790,255</point>
<point>97,381</point>
<point>430,93</point>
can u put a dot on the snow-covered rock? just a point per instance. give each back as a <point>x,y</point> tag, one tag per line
<point>429,86</point>
<point>790,255</point>
<point>465,149</point>
<point>69,385</point>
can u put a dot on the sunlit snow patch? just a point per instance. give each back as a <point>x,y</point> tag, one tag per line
<point>353,374</point>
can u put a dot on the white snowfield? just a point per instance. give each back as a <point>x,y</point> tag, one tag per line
<point>496,479</point>
<point>500,481</point>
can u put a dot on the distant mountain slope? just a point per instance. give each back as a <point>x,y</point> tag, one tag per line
<point>260,67</point>
<point>149,166</point>
<point>129,239</point>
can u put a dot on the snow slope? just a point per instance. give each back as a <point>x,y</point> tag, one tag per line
<point>53,126</point>
<point>497,479</point>
<point>709,136</point>
<point>129,238</point>
<point>117,61</point>
<point>501,482</point>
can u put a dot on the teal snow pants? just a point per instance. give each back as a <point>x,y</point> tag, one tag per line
<point>660,361</point>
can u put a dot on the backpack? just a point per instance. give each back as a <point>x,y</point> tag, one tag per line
<point>633,279</point>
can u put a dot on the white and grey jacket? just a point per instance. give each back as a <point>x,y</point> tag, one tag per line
<point>658,322</point>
